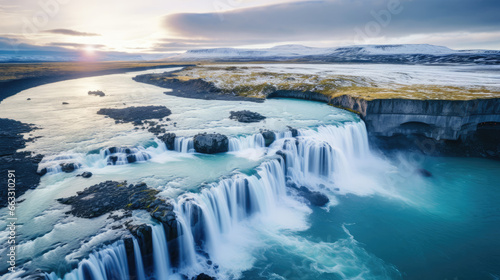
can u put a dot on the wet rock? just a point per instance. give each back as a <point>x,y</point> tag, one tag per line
<point>110,196</point>
<point>68,167</point>
<point>269,137</point>
<point>294,131</point>
<point>157,129</point>
<point>169,140</point>
<point>131,158</point>
<point>424,172</point>
<point>86,174</point>
<point>42,171</point>
<point>204,276</point>
<point>246,116</point>
<point>315,198</point>
<point>135,114</point>
<point>112,160</point>
<point>97,93</point>
<point>211,143</point>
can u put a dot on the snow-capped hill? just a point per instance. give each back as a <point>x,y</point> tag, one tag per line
<point>404,49</point>
<point>284,51</point>
<point>297,50</point>
<point>403,53</point>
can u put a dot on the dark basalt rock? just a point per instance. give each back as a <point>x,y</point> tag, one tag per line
<point>42,171</point>
<point>315,198</point>
<point>269,137</point>
<point>110,196</point>
<point>204,276</point>
<point>86,174</point>
<point>424,172</point>
<point>169,140</point>
<point>68,167</point>
<point>25,164</point>
<point>294,131</point>
<point>131,158</point>
<point>97,93</point>
<point>136,114</point>
<point>157,129</point>
<point>211,143</point>
<point>246,116</point>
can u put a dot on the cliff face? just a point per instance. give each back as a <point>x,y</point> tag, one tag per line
<point>437,127</point>
<point>436,119</point>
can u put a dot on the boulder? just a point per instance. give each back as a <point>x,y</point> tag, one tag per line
<point>169,140</point>
<point>86,174</point>
<point>246,116</point>
<point>294,131</point>
<point>269,137</point>
<point>315,198</point>
<point>211,143</point>
<point>68,167</point>
<point>204,276</point>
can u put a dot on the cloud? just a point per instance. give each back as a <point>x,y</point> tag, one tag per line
<point>168,45</point>
<point>77,46</point>
<point>338,20</point>
<point>70,32</point>
<point>13,45</point>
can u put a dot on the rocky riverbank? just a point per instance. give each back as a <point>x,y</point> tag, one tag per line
<point>25,164</point>
<point>190,88</point>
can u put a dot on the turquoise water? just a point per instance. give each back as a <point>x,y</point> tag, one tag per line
<point>384,221</point>
<point>449,229</point>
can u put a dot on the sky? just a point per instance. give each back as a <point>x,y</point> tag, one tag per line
<point>169,26</point>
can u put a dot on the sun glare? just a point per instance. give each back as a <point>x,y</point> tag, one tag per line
<point>89,50</point>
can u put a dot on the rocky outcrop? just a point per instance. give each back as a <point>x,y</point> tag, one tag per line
<point>211,143</point>
<point>136,114</point>
<point>246,116</point>
<point>97,93</point>
<point>451,127</point>
<point>436,127</point>
<point>190,88</point>
<point>110,196</point>
<point>69,167</point>
<point>169,140</point>
<point>25,164</point>
<point>269,137</point>
<point>313,197</point>
<point>437,119</point>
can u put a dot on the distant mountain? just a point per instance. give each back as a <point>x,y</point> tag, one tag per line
<point>70,55</point>
<point>409,53</point>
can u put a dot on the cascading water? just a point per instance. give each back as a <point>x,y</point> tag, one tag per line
<point>183,145</point>
<point>207,218</point>
<point>106,264</point>
<point>141,275</point>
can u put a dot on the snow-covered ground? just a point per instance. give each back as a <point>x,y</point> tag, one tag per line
<point>446,82</point>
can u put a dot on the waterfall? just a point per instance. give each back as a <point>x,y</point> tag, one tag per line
<point>108,263</point>
<point>246,142</point>
<point>315,157</point>
<point>141,275</point>
<point>325,155</point>
<point>160,253</point>
<point>184,145</point>
<point>221,206</point>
